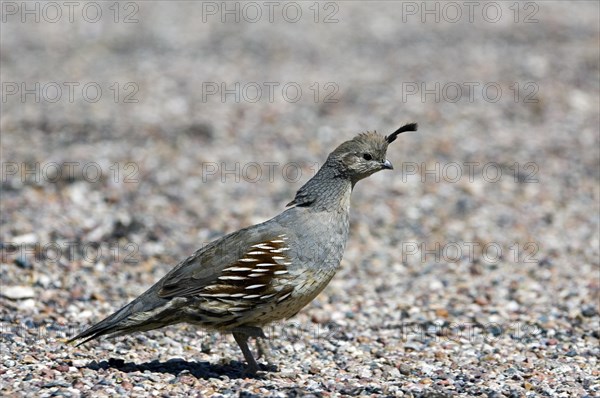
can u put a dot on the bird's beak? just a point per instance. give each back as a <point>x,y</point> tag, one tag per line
<point>388,165</point>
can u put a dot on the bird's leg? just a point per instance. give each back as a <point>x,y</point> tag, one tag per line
<point>261,351</point>
<point>259,334</point>
<point>241,335</point>
<point>250,331</point>
<point>242,340</point>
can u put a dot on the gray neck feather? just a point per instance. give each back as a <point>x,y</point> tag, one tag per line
<point>327,190</point>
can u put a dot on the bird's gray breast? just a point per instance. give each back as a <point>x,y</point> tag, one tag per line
<point>319,237</point>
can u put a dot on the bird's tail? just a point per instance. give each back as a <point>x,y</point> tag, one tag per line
<point>141,315</point>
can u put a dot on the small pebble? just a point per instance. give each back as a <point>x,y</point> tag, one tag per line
<point>18,292</point>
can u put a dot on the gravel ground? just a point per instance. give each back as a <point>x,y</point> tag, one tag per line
<point>472,269</point>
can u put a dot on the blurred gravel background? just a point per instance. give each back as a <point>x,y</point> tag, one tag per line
<point>472,269</point>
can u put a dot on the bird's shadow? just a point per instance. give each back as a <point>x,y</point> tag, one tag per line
<point>180,367</point>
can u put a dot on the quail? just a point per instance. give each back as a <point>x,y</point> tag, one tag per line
<point>266,272</point>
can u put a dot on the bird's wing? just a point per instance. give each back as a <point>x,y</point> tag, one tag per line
<point>238,264</point>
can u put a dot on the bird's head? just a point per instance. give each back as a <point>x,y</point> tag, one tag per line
<point>365,154</point>
<point>352,161</point>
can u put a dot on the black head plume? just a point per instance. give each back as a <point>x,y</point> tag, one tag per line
<point>407,127</point>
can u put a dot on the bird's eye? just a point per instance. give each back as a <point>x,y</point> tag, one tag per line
<point>367,156</point>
